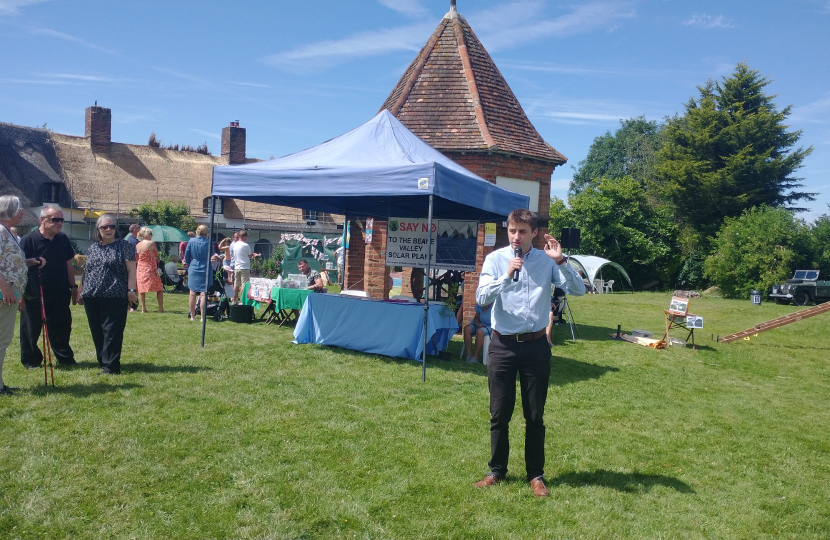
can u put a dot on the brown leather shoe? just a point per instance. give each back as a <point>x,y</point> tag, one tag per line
<point>538,487</point>
<point>487,481</point>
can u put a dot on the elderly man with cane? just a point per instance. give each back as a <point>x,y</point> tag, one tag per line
<point>56,280</point>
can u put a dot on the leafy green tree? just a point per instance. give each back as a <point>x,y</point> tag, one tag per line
<point>164,212</point>
<point>629,151</point>
<point>617,222</point>
<point>691,275</point>
<point>760,248</point>
<point>730,151</point>
<point>560,217</point>
<point>821,244</point>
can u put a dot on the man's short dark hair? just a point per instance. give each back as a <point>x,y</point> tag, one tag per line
<point>522,215</point>
<point>302,261</point>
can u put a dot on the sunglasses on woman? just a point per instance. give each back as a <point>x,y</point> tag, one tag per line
<point>107,227</point>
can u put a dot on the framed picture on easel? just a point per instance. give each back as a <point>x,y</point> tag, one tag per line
<point>694,321</point>
<point>679,305</point>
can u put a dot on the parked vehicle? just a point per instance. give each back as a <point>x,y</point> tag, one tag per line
<point>803,288</point>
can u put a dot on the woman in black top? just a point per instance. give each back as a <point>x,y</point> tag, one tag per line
<point>108,285</point>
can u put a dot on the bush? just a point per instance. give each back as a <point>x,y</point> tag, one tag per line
<point>268,268</point>
<point>760,248</point>
<point>165,212</point>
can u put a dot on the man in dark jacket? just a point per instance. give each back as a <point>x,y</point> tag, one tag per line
<point>57,280</point>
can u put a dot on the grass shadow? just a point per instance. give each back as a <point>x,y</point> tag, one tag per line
<point>562,332</point>
<point>146,367</point>
<point>626,482</point>
<point>563,370</point>
<point>84,390</point>
<point>78,366</point>
<point>566,370</point>
<point>811,347</point>
<point>699,347</point>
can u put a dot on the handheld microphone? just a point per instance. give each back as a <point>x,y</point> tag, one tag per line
<point>518,253</point>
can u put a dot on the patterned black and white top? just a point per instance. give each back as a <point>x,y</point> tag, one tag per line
<point>312,277</point>
<point>105,270</point>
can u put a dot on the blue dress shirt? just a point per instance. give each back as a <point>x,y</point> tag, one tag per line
<point>523,306</point>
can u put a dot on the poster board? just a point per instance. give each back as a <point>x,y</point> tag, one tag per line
<point>489,234</point>
<point>694,321</point>
<point>679,305</point>
<point>260,289</point>
<point>453,246</point>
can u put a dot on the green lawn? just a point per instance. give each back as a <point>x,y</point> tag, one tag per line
<point>253,437</point>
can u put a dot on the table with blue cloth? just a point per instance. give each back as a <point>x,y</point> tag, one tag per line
<point>374,326</point>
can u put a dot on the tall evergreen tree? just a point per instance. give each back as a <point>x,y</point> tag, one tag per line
<point>729,152</point>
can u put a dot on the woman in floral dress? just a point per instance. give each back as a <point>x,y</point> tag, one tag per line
<point>147,276</point>
<point>13,276</point>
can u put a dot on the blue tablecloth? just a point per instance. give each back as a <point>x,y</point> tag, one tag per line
<point>373,326</point>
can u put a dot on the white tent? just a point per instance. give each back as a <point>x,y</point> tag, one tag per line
<point>591,266</point>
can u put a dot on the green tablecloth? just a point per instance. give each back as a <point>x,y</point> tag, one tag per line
<point>283,298</point>
<point>289,298</point>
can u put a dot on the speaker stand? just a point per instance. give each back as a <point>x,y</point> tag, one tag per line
<point>566,310</point>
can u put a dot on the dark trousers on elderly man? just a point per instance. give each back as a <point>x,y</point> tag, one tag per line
<point>107,320</point>
<point>58,323</point>
<point>531,361</point>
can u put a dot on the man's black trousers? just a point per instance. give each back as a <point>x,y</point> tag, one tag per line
<point>107,320</point>
<point>531,360</point>
<point>58,323</point>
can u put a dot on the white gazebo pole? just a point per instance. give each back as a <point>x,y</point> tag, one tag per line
<point>426,292</point>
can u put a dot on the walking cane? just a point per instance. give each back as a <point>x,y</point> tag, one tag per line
<point>45,334</point>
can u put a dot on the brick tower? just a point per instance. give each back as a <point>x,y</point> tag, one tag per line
<point>454,98</point>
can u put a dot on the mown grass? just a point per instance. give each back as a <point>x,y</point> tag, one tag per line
<point>253,437</point>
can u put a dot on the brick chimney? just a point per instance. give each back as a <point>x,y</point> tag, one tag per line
<point>98,128</point>
<point>233,143</point>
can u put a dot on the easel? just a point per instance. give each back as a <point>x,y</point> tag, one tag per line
<point>676,317</point>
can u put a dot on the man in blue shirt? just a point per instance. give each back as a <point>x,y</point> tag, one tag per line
<point>519,288</point>
<point>132,238</point>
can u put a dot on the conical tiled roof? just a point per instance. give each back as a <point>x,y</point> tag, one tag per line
<point>454,97</point>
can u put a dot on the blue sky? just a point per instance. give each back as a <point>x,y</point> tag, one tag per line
<point>298,73</point>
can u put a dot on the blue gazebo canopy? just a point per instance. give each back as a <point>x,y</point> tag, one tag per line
<point>380,169</point>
